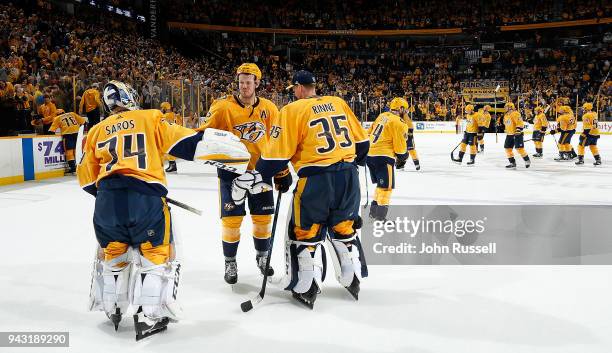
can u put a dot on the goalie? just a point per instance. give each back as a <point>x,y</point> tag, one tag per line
<point>136,271</point>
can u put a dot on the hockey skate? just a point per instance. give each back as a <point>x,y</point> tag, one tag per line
<point>511,166</point>
<point>537,155</point>
<point>171,167</point>
<point>580,160</point>
<point>457,160</point>
<point>115,318</point>
<point>597,162</point>
<point>231,271</point>
<point>354,288</point>
<point>562,157</point>
<point>471,162</point>
<point>261,258</point>
<point>146,327</point>
<point>309,297</point>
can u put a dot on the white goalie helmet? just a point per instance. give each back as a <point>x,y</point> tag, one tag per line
<point>119,94</point>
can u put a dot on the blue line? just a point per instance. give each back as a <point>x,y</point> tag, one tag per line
<point>28,158</point>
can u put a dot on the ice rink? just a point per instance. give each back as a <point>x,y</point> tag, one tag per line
<point>49,246</point>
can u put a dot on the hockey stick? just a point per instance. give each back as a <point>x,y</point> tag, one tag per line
<point>249,304</point>
<point>184,206</point>
<point>365,168</point>
<point>495,102</point>
<point>453,151</point>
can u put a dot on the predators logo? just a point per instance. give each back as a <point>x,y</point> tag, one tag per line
<point>251,131</point>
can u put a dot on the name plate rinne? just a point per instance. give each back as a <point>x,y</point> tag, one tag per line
<point>455,248</point>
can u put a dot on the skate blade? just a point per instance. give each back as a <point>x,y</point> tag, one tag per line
<point>354,288</point>
<point>116,319</point>
<point>308,303</point>
<point>309,297</point>
<point>143,330</point>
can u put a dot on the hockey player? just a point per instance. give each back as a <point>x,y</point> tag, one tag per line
<point>68,124</point>
<point>566,124</point>
<point>405,117</point>
<point>248,117</point>
<point>90,105</point>
<point>122,167</point>
<point>514,136</point>
<point>469,136</point>
<point>484,121</point>
<point>540,125</point>
<point>325,142</point>
<point>388,145</point>
<point>172,118</point>
<point>589,136</point>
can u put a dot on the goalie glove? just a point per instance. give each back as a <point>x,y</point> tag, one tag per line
<point>223,150</point>
<point>250,182</point>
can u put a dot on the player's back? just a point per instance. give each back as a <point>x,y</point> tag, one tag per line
<point>472,123</point>
<point>589,122</point>
<point>388,136</point>
<point>319,132</point>
<point>131,144</point>
<point>565,121</point>
<point>68,123</point>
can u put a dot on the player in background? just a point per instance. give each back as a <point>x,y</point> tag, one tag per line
<point>566,125</point>
<point>68,124</point>
<point>513,127</point>
<point>325,143</point>
<point>590,135</point>
<point>249,117</point>
<point>484,121</point>
<point>172,118</point>
<point>469,136</point>
<point>90,105</point>
<point>122,167</point>
<point>388,146</point>
<point>405,117</point>
<point>540,125</point>
<point>47,112</point>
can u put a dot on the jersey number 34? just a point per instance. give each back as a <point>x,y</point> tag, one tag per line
<point>110,146</point>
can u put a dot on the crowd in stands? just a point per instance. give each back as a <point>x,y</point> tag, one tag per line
<point>50,58</point>
<point>383,14</point>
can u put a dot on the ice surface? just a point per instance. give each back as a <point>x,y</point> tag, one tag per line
<point>49,244</point>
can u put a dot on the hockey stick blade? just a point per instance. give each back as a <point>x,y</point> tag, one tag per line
<point>249,304</point>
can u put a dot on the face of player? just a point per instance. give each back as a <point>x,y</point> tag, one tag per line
<point>247,85</point>
<point>298,91</point>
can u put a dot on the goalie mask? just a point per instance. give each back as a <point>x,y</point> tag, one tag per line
<point>119,94</point>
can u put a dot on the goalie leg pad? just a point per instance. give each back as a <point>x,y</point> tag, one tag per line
<point>110,284</point>
<point>155,289</point>
<point>305,264</point>
<point>348,259</point>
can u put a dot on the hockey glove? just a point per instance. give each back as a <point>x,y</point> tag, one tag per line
<point>250,182</point>
<point>283,180</point>
<point>553,131</point>
<point>400,163</point>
